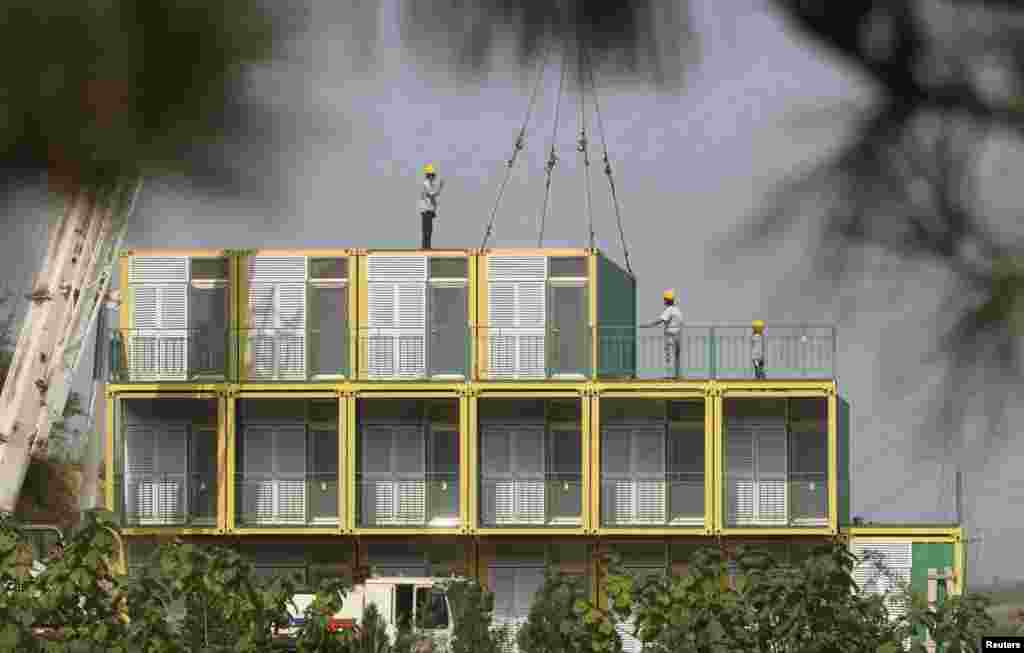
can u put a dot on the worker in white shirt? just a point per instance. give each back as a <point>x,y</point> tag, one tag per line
<point>428,202</point>
<point>672,320</point>
<point>757,348</point>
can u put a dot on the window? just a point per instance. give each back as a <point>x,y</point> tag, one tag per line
<point>277,311</point>
<point>288,463</point>
<point>432,608</point>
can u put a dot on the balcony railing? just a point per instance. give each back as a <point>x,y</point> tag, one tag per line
<point>799,501</point>
<point>148,355</point>
<point>535,353</point>
<point>537,500</point>
<point>167,499</point>
<point>408,501</point>
<point>718,352</point>
<point>414,354</point>
<point>268,355</point>
<point>298,500</point>
<point>660,500</point>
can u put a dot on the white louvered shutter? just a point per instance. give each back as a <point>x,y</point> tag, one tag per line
<point>517,316</point>
<point>514,583</point>
<point>617,500</point>
<point>771,471</point>
<point>397,309</point>
<point>258,473</point>
<point>739,458</point>
<point>409,466</point>
<point>158,343</point>
<point>498,487</point>
<point>649,470</point>
<point>502,584</point>
<point>686,495</point>
<point>377,492</point>
<point>897,557</point>
<point>140,469</point>
<point>171,474</point>
<point>528,447</point>
<point>290,474</point>
<point>277,312</point>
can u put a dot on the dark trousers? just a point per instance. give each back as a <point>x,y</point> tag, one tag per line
<point>428,227</point>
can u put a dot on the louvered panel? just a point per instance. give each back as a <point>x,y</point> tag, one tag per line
<point>140,466</point>
<point>501,355</point>
<point>504,502</point>
<point>168,498</point>
<point>531,305</point>
<point>291,306</point>
<point>504,268</point>
<point>741,501</point>
<point>771,501</point>
<point>158,269</point>
<point>173,302</point>
<point>501,306</point>
<point>380,352</point>
<point>291,355</point>
<point>277,268</point>
<point>291,501</point>
<point>412,499</point>
<point>257,468</point>
<point>261,351</point>
<point>502,584</point>
<point>531,359</point>
<point>412,305</point>
<point>625,502</point>
<point>529,497</point>
<point>172,335</point>
<point>412,354</point>
<point>739,456</point>
<point>897,558</point>
<point>382,299</point>
<point>145,307</point>
<point>650,502</point>
<point>396,268</point>
<point>261,305</point>
<point>384,503</point>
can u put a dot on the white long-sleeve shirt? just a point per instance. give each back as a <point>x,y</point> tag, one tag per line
<point>672,319</point>
<point>429,195</point>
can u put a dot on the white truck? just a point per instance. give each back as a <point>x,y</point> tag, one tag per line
<point>419,602</point>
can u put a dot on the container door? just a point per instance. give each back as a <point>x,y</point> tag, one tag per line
<point>568,346</point>
<point>739,459</point>
<point>449,315</point>
<point>328,335</point>
<point>649,471</point>
<point>208,325</point>
<point>516,316</point>
<point>529,496</point>
<point>323,482</point>
<point>276,334</point>
<point>290,462</point>
<point>410,472</point>
<point>565,485</point>
<point>885,572</point>
<point>158,341</point>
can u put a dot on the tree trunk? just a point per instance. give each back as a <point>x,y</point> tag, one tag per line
<point>84,243</point>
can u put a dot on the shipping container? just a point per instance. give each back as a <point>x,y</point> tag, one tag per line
<point>415,308</point>
<point>175,318</point>
<point>294,315</point>
<point>542,313</point>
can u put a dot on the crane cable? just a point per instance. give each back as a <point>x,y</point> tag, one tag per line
<point>608,165</point>
<point>517,147</point>
<point>552,157</point>
<point>581,144</point>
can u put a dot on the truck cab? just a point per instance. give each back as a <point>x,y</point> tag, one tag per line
<point>419,602</point>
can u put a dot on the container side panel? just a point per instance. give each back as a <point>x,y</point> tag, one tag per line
<point>843,442</point>
<point>929,555</point>
<point>616,320</point>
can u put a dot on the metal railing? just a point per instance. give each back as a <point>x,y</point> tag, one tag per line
<point>268,355</point>
<point>717,351</point>
<point>799,501</point>
<point>657,500</point>
<point>528,500</point>
<point>166,499</point>
<point>303,500</point>
<point>148,355</point>
<point>414,354</point>
<point>408,500</point>
<point>535,353</point>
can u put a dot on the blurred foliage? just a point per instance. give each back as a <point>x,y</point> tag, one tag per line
<point>472,610</point>
<point>106,89</point>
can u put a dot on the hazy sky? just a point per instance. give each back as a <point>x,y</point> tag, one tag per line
<point>690,168</point>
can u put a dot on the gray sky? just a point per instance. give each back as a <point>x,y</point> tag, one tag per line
<point>690,168</point>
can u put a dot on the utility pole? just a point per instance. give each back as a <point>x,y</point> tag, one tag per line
<point>85,239</point>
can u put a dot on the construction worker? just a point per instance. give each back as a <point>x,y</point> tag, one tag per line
<point>428,202</point>
<point>757,348</point>
<point>672,320</point>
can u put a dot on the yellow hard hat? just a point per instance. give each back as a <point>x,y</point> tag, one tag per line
<point>428,169</point>
<point>758,326</point>
<point>670,295</point>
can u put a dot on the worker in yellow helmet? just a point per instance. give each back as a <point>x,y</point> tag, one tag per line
<point>428,202</point>
<point>672,320</point>
<point>757,348</point>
